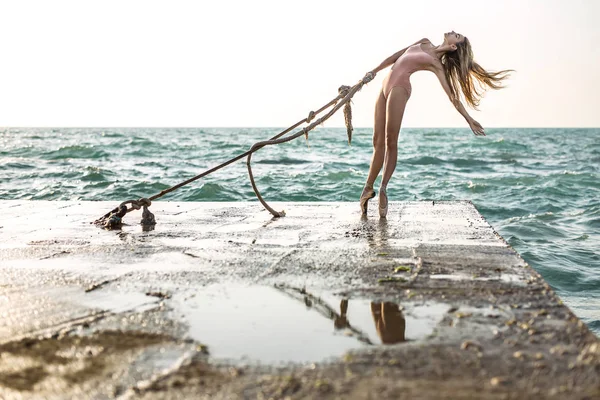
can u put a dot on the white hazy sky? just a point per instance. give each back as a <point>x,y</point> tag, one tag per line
<point>235,63</point>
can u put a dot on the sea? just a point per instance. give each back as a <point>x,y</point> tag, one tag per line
<point>539,188</point>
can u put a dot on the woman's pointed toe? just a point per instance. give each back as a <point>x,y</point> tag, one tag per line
<point>367,194</point>
<point>383,203</point>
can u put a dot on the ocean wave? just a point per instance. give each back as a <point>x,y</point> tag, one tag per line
<point>75,151</point>
<point>339,176</point>
<point>8,165</point>
<point>281,161</point>
<point>423,160</point>
<point>582,237</point>
<point>477,187</point>
<point>142,142</point>
<point>92,176</point>
<point>151,164</point>
<point>544,216</point>
<point>213,192</point>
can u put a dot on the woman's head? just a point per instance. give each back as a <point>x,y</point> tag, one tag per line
<point>453,39</point>
<point>463,72</point>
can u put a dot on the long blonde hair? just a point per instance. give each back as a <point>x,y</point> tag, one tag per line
<point>463,73</point>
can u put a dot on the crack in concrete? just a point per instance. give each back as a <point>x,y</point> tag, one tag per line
<point>100,285</point>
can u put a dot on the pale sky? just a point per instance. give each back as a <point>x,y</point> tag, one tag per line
<point>263,63</point>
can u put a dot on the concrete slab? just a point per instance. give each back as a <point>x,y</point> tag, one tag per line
<point>222,301</point>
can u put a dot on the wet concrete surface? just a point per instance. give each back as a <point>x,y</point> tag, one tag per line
<point>221,301</point>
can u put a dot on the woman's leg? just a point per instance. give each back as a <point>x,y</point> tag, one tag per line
<point>378,140</point>
<point>378,152</point>
<point>396,103</point>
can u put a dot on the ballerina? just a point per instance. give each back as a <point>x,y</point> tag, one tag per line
<point>453,64</point>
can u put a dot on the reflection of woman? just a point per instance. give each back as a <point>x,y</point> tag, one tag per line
<point>389,322</point>
<point>341,322</point>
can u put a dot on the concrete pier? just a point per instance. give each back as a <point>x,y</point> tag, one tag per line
<point>221,301</point>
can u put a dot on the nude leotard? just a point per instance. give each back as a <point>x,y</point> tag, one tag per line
<point>413,59</point>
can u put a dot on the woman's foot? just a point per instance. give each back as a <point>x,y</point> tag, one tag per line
<point>383,202</point>
<point>367,194</point>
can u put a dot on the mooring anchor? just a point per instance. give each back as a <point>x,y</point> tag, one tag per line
<point>114,218</point>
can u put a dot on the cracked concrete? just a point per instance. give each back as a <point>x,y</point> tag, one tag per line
<point>430,303</point>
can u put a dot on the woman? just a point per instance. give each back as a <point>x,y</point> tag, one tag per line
<point>453,64</point>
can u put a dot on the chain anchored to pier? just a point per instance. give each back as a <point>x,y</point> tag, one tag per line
<point>114,218</point>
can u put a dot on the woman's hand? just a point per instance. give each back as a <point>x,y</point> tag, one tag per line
<point>476,128</point>
<point>369,77</point>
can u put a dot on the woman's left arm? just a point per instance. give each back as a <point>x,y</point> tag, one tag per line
<point>474,125</point>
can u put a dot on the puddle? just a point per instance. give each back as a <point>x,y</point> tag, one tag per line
<point>262,324</point>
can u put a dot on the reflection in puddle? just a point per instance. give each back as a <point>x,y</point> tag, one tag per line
<point>283,324</point>
<point>389,321</point>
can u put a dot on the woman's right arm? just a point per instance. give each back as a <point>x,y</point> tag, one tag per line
<point>392,59</point>
<point>455,100</point>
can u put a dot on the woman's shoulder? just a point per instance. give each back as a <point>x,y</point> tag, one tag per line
<point>426,44</point>
<point>420,42</point>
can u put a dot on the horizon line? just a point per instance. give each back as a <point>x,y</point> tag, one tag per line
<point>282,127</point>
